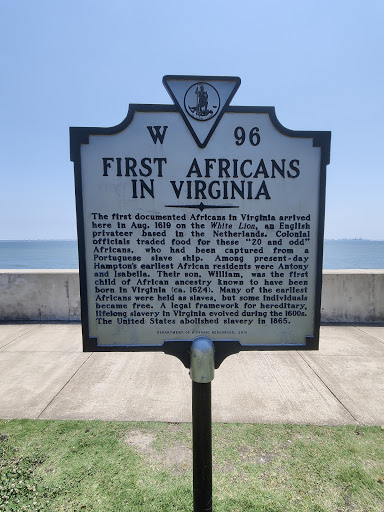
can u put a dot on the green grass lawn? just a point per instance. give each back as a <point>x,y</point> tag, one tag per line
<point>81,466</point>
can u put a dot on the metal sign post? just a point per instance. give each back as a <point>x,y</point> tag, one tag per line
<point>202,373</point>
<point>200,227</point>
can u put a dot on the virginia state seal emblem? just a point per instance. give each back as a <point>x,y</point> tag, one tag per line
<point>202,101</point>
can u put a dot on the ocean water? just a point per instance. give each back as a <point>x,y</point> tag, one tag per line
<point>38,254</point>
<point>24,254</point>
<point>353,254</point>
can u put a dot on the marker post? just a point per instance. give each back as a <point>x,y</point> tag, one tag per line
<point>202,373</point>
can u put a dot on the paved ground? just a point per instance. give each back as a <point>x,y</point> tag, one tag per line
<point>44,374</point>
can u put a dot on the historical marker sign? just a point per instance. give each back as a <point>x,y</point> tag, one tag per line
<point>200,218</point>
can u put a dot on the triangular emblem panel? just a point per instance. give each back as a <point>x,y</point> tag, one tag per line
<point>202,101</point>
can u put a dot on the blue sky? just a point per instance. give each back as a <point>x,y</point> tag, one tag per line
<point>80,63</point>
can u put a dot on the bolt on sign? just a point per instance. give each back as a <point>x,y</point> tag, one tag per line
<point>200,219</point>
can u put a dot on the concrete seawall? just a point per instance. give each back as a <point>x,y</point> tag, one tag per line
<point>348,296</point>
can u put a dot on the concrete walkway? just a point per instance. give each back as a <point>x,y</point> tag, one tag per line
<point>44,374</point>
